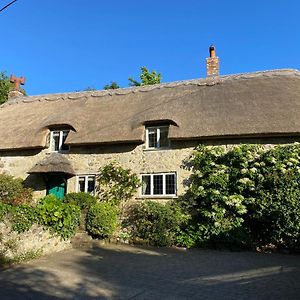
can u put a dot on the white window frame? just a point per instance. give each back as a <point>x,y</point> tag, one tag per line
<point>152,195</point>
<point>86,180</point>
<point>60,142</point>
<point>158,129</point>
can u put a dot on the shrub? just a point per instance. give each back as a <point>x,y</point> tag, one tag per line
<point>274,214</point>
<point>23,217</point>
<point>62,218</point>
<point>247,196</point>
<point>102,219</point>
<point>157,223</point>
<point>83,200</point>
<point>12,191</point>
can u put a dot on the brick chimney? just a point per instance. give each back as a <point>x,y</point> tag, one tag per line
<point>212,63</point>
<point>16,91</point>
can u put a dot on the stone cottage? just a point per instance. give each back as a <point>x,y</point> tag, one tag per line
<point>58,142</point>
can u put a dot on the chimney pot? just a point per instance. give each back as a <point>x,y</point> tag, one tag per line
<point>212,63</point>
<point>212,51</point>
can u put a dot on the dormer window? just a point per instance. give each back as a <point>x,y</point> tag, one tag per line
<point>157,137</point>
<point>57,140</point>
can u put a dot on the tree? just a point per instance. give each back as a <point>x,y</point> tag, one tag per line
<point>146,77</point>
<point>112,86</point>
<point>4,87</point>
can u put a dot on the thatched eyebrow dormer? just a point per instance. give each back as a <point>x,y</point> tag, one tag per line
<point>255,104</point>
<point>159,122</point>
<point>61,132</point>
<point>60,126</point>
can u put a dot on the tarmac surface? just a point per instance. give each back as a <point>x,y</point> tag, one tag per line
<point>126,272</point>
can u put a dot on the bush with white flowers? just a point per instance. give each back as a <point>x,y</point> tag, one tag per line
<point>247,196</point>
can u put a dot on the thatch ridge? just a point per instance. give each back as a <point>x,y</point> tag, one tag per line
<point>251,104</point>
<point>209,81</point>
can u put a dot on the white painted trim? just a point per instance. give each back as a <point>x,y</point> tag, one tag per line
<point>158,129</point>
<point>86,177</point>
<point>60,140</point>
<point>164,185</point>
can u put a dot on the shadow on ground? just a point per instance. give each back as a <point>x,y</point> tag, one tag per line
<point>124,272</point>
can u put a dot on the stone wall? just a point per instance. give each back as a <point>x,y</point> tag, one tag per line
<point>29,244</point>
<point>138,159</point>
<point>88,159</point>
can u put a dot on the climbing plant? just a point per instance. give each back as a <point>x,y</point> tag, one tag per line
<point>116,184</point>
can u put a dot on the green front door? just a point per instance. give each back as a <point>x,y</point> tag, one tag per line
<point>56,185</point>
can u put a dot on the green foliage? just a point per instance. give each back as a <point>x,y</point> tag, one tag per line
<point>102,219</point>
<point>146,77</point>
<point>12,191</point>
<point>23,217</point>
<point>4,87</point>
<point>275,216</point>
<point>112,86</point>
<point>187,237</point>
<point>247,196</point>
<point>4,210</point>
<point>61,217</point>
<point>83,200</point>
<point>157,223</point>
<point>116,184</point>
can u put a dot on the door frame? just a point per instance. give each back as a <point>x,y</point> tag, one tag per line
<point>57,179</point>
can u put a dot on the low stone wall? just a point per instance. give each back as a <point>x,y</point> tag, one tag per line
<point>15,247</point>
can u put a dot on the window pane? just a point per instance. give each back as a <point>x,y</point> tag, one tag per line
<point>64,136</point>
<point>164,141</point>
<point>55,141</point>
<point>146,182</point>
<point>91,184</point>
<point>81,184</point>
<point>170,184</point>
<point>152,138</point>
<point>157,184</point>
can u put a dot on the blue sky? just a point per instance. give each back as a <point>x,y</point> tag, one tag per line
<point>68,45</point>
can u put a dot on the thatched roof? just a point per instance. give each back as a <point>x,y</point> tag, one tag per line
<point>54,162</point>
<point>253,104</point>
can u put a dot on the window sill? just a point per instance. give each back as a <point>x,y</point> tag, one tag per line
<point>60,151</point>
<point>157,197</point>
<point>156,149</point>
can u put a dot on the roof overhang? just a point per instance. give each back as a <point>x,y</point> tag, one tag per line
<point>53,163</point>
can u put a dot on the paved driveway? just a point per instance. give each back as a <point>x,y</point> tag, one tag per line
<point>124,272</point>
